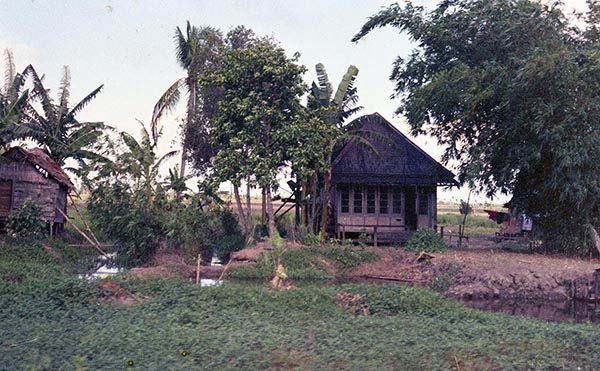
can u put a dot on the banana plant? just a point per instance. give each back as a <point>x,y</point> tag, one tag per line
<point>141,164</point>
<point>56,127</point>
<point>333,110</point>
<point>13,102</point>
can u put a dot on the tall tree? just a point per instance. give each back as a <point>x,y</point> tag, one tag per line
<point>196,134</point>
<point>56,128</point>
<point>262,99</point>
<point>510,89</point>
<point>197,53</point>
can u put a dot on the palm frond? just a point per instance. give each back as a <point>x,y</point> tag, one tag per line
<point>325,89</point>
<point>345,86</point>
<point>42,94</point>
<point>65,83</point>
<point>9,71</point>
<point>85,101</point>
<point>167,156</point>
<point>182,45</point>
<point>131,143</point>
<point>15,109</point>
<point>167,103</point>
<point>15,89</point>
<point>90,155</point>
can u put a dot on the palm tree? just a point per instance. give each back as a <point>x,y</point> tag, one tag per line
<point>196,52</point>
<point>333,110</point>
<point>57,128</point>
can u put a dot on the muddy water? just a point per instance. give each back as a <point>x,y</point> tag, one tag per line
<point>552,311</point>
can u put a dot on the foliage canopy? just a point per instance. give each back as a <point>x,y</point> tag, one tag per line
<point>509,88</point>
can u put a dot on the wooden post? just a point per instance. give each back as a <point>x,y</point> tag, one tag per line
<point>375,235</point>
<point>596,276</point>
<point>198,269</point>
<point>442,232</point>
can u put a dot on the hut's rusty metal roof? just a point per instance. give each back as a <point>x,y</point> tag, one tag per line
<point>38,157</point>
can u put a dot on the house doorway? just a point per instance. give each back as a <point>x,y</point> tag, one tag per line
<point>410,210</point>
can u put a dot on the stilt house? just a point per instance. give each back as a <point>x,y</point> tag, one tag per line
<point>32,174</point>
<point>387,188</point>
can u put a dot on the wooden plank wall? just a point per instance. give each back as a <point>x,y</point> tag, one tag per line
<point>5,197</point>
<point>28,182</point>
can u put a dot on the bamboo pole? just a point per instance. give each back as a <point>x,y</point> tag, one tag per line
<point>96,246</point>
<point>85,223</point>
<point>225,269</point>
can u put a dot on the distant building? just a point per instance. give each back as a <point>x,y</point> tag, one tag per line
<point>32,174</point>
<point>385,186</point>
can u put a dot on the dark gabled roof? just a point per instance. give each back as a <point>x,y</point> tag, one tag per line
<point>39,158</point>
<point>388,158</point>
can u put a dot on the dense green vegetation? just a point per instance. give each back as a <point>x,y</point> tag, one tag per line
<point>309,263</point>
<point>479,80</point>
<point>52,320</point>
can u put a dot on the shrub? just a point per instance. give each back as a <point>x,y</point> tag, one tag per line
<point>25,221</point>
<point>425,240</point>
<point>231,238</point>
<point>191,228</point>
<point>311,263</point>
<point>128,218</point>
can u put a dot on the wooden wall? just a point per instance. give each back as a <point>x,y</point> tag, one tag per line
<point>29,182</point>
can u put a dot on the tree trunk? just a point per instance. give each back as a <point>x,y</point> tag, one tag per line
<point>325,205</point>
<point>240,207</point>
<point>270,212</point>
<point>248,204</point>
<point>263,214</point>
<point>313,210</point>
<point>191,112</point>
<point>303,207</point>
<point>183,158</point>
<point>595,237</point>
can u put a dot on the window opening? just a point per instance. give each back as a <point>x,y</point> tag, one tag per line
<point>345,202</point>
<point>357,201</point>
<point>383,201</point>
<point>370,200</point>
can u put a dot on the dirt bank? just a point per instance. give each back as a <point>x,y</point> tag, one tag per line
<point>478,272</point>
<point>483,273</point>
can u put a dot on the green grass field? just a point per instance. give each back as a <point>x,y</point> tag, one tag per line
<point>50,319</point>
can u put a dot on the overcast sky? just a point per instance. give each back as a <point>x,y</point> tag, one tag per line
<point>128,46</point>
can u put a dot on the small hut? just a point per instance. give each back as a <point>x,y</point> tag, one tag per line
<point>33,174</point>
<point>388,188</point>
